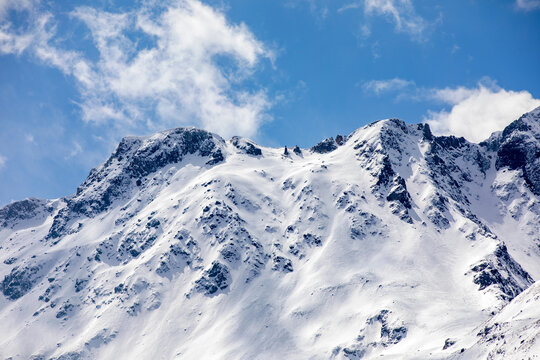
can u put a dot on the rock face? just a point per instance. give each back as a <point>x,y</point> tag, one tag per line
<point>19,211</point>
<point>134,159</point>
<point>246,146</point>
<point>520,148</point>
<point>388,242</point>
<point>19,281</point>
<point>325,146</point>
<point>214,279</point>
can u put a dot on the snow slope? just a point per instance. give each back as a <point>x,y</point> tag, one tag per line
<point>387,242</point>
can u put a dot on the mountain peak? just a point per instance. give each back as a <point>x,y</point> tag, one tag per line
<point>127,168</point>
<point>288,243</point>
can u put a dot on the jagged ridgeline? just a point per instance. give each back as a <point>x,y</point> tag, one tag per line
<point>390,241</point>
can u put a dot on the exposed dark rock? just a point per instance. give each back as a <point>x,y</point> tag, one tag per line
<point>120,289</point>
<point>80,284</point>
<point>10,260</point>
<point>325,146</point>
<point>389,335</point>
<point>288,184</point>
<point>400,124</point>
<point>297,150</point>
<point>312,240</point>
<point>216,158</point>
<point>134,158</point>
<point>282,264</point>
<point>134,309</point>
<point>65,310</point>
<point>520,149</point>
<point>214,279</point>
<point>180,254</point>
<point>153,223</point>
<point>354,353</point>
<point>136,242</point>
<point>493,142</point>
<point>22,210</point>
<point>20,281</point>
<point>145,157</point>
<point>512,153</point>
<point>285,151</point>
<point>399,193</point>
<point>448,343</point>
<point>448,142</point>
<point>426,131</point>
<point>71,356</point>
<point>246,146</point>
<point>49,292</point>
<point>218,216</point>
<point>502,271</point>
<point>231,253</point>
<point>386,173</point>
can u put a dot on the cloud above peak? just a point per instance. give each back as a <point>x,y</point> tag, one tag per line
<point>160,66</point>
<point>472,112</point>
<point>477,112</point>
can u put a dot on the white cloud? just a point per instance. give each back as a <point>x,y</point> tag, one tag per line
<point>528,5</point>
<point>3,160</point>
<point>381,86</point>
<point>474,113</point>
<point>16,39</point>
<point>190,70</point>
<point>478,112</point>
<point>401,13</point>
<point>18,5</point>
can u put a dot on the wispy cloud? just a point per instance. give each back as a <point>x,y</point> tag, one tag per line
<point>14,39</point>
<point>382,86</point>
<point>3,161</point>
<point>319,8</point>
<point>190,71</point>
<point>401,13</point>
<point>528,5</point>
<point>7,5</point>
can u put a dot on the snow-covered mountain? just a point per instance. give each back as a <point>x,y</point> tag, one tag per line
<point>387,242</point>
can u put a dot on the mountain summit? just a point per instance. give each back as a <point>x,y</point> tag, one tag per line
<point>390,241</point>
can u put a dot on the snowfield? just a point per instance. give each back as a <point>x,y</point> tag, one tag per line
<point>387,243</point>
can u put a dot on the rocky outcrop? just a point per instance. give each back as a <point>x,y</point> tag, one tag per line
<point>133,160</point>
<point>325,146</point>
<point>246,146</point>
<point>502,272</point>
<point>217,278</point>
<point>20,211</point>
<point>519,148</point>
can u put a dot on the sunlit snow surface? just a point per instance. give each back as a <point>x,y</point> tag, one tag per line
<point>393,244</point>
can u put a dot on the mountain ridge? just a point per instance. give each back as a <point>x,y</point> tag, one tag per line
<point>184,240</point>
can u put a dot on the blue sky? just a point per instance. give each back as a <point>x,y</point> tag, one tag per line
<point>76,76</point>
